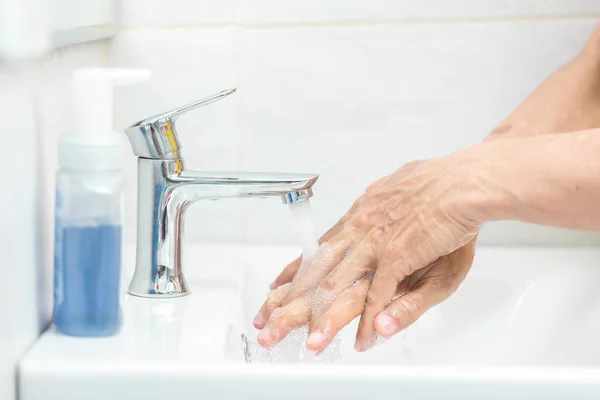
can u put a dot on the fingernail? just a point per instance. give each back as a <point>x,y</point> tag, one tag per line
<point>365,344</point>
<point>259,320</point>
<point>264,335</point>
<point>387,325</point>
<point>315,339</point>
<point>273,285</point>
<point>359,346</point>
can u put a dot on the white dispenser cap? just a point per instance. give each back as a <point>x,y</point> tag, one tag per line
<point>94,145</point>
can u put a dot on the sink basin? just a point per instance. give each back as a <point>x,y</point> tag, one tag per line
<point>525,324</point>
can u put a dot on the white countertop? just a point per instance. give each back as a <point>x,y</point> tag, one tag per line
<point>192,328</point>
<point>198,336</point>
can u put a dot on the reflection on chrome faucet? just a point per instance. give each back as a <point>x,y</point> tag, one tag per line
<point>164,282</point>
<point>166,189</point>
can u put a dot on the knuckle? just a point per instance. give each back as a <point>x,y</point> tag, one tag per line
<point>370,200</point>
<point>410,263</point>
<point>345,218</point>
<point>277,314</point>
<point>328,284</point>
<point>410,267</point>
<point>283,316</point>
<point>410,307</point>
<point>371,298</point>
<point>271,302</point>
<point>415,164</point>
<point>400,268</point>
<point>367,251</point>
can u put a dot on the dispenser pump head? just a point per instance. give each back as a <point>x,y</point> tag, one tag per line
<point>94,145</point>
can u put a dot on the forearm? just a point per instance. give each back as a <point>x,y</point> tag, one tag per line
<point>551,180</point>
<point>568,100</point>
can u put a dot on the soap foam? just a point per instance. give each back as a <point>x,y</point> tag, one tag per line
<point>292,348</point>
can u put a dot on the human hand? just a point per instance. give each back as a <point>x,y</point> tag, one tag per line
<point>418,205</point>
<point>418,293</point>
<point>569,92</point>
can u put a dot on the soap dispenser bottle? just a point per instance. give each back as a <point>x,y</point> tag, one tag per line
<point>87,250</point>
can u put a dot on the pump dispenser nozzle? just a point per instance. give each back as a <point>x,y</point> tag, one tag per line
<point>94,145</point>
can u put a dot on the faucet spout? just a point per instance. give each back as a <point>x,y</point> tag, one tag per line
<point>166,190</point>
<point>243,184</point>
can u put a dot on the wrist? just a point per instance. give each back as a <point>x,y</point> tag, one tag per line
<point>481,196</point>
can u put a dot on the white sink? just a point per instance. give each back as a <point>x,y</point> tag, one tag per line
<point>525,324</point>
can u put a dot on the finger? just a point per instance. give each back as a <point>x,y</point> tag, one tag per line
<point>380,294</point>
<point>273,301</point>
<point>287,275</point>
<point>411,268</point>
<point>319,265</point>
<point>437,284</point>
<point>412,248</point>
<point>405,254</point>
<point>347,306</point>
<point>359,262</point>
<point>283,320</point>
<point>366,335</point>
<point>408,308</point>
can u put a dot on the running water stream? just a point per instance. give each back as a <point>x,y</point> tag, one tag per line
<point>304,226</point>
<point>292,348</point>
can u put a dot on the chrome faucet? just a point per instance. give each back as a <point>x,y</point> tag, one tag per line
<point>166,189</point>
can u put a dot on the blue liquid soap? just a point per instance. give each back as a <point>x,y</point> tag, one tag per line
<point>87,279</point>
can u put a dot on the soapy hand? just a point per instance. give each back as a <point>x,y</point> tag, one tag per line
<point>404,236</point>
<point>310,292</point>
<point>420,291</point>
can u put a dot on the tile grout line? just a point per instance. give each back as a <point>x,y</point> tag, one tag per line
<point>366,22</point>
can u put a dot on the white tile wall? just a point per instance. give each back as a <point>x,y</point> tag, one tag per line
<point>32,107</point>
<point>353,104</point>
<point>72,14</point>
<point>24,29</point>
<point>21,264</point>
<point>171,13</point>
<point>278,12</point>
<point>188,64</point>
<point>347,89</point>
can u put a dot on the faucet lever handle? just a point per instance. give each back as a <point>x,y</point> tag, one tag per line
<point>156,136</point>
<point>173,114</point>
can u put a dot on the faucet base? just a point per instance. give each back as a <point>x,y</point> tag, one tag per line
<point>159,295</point>
<point>165,285</point>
